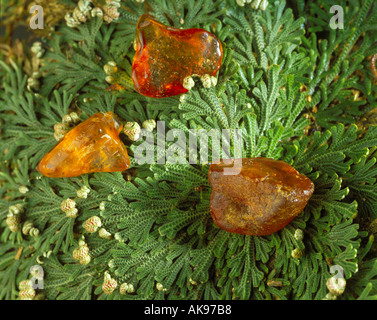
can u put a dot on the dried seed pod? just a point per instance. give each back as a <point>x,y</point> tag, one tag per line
<point>92,224</point>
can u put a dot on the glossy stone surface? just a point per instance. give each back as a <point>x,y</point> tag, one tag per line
<point>92,146</point>
<point>166,55</point>
<point>262,199</point>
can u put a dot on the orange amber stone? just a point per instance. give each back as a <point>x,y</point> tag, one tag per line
<point>262,199</point>
<point>165,56</point>
<point>92,146</point>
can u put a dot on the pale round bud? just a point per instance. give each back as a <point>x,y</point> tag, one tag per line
<point>110,79</point>
<point>80,252</point>
<point>208,81</point>
<point>188,83</point>
<point>67,204</point>
<point>84,6</point>
<point>110,68</point>
<point>96,12</point>
<point>123,288</point>
<point>58,136</point>
<point>78,15</point>
<point>255,4</point>
<point>36,47</point>
<point>13,222</point>
<point>27,294</point>
<point>74,116</point>
<point>71,213</point>
<point>33,83</point>
<point>92,224</point>
<point>299,235</point>
<point>103,233</point>
<point>111,12</point>
<point>61,128</point>
<point>149,125</point>
<point>25,284</point>
<point>336,285</point>
<point>70,20</point>
<point>85,260</point>
<point>27,226</point>
<point>263,5</point>
<point>132,130</point>
<point>182,98</point>
<point>297,253</point>
<point>83,192</point>
<point>34,232</point>
<point>16,209</point>
<point>23,189</point>
<point>109,284</point>
<point>131,288</point>
<point>67,120</point>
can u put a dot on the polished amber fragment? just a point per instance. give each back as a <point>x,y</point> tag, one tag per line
<point>165,56</point>
<point>92,146</point>
<point>262,199</point>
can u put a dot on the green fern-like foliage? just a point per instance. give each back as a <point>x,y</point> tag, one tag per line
<point>297,91</point>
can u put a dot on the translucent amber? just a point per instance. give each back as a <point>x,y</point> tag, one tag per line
<point>165,56</point>
<point>92,146</point>
<point>262,199</point>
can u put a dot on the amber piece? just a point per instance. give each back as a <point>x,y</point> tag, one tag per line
<point>165,56</point>
<point>262,199</point>
<point>92,146</point>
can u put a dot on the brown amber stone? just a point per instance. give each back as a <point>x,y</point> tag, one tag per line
<point>261,199</point>
<point>92,146</point>
<point>165,56</point>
